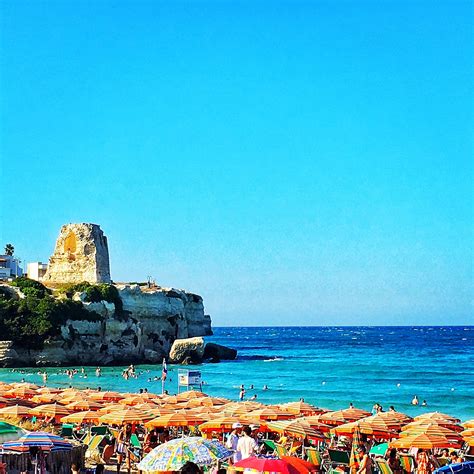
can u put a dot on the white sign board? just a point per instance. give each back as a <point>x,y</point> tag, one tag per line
<point>189,377</point>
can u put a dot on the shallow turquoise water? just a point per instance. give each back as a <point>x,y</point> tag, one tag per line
<point>327,366</point>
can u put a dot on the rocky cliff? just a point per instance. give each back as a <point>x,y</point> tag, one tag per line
<point>142,332</point>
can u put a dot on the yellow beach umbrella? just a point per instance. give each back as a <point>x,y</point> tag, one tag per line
<point>437,416</point>
<point>220,424</point>
<point>430,429</point>
<point>468,424</point>
<point>81,405</point>
<point>120,417</point>
<point>423,441</point>
<point>49,410</point>
<point>88,416</point>
<point>175,419</point>
<point>183,396</point>
<point>301,408</point>
<point>295,428</point>
<point>266,414</point>
<point>15,411</point>
<point>467,433</point>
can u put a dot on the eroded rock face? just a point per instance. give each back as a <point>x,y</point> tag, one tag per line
<point>187,351</point>
<point>81,254</point>
<point>166,314</point>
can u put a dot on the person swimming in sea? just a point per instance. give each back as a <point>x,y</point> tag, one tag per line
<point>415,401</point>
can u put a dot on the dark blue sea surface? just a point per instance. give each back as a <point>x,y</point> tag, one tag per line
<point>327,366</point>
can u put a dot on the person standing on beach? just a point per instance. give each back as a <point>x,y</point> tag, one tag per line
<point>365,466</point>
<point>423,462</point>
<point>246,446</point>
<point>233,440</point>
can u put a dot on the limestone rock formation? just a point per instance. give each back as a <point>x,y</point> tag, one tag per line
<point>81,254</point>
<point>187,351</point>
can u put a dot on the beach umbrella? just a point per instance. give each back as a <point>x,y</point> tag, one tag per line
<point>236,409</point>
<point>15,411</point>
<point>80,417</point>
<point>48,390</point>
<point>221,424</point>
<point>266,414</point>
<point>183,396</point>
<point>304,467</point>
<point>133,400</point>
<point>4,401</point>
<point>49,410</point>
<point>378,429</point>
<point>9,432</point>
<point>466,433</point>
<point>175,419</point>
<point>395,416</point>
<point>174,454</point>
<point>44,398</point>
<point>269,465</point>
<point>355,458</point>
<point>458,468</point>
<point>82,405</point>
<point>301,408</point>
<point>423,441</point>
<point>294,428</point>
<point>204,401</point>
<point>120,417</point>
<point>420,425</point>
<point>468,424</point>
<point>314,422</point>
<point>431,429</point>
<point>469,440</point>
<point>343,416</point>
<point>437,416</point>
<point>109,396</point>
<point>21,392</point>
<point>39,439</point>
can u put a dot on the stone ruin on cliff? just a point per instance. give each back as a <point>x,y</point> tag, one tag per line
<point>81,254</point>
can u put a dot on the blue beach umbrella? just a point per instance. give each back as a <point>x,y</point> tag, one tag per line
<point>38,439</point>
<point>458,468</point>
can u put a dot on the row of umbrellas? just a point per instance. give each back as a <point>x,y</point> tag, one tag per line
<point>213,414</point>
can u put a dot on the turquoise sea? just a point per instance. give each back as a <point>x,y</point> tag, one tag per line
<point>327,366</point>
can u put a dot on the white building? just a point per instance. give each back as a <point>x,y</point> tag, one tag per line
<point>36,270</point>
<point>9,267</point>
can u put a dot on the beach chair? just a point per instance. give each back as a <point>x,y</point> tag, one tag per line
<point>270,444</point>
<point>338,457</point>
<point>295,446</point>
<point>408,462</point>
<point>99,430</point>
<point>281,450</point>
<point>314,457</point>
<point>383,466</point>
<point>67,431</point>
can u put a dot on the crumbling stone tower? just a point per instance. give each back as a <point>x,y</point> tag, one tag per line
<point>81,254</point>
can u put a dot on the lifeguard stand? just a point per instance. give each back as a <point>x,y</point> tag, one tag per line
<point>191,379</point>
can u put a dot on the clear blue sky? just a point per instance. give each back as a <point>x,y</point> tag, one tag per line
<point>292,162</point>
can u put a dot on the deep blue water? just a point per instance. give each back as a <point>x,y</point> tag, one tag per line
<point>327,366</point>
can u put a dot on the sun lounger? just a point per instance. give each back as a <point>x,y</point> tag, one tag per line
<point>314,457</point>
<point>408,462</point>
<point>281,450</point>
<point>338,457</point>
<point>67,431</point>
<point>99,430</point>
<point>383,466</point>
<point>270,444</point>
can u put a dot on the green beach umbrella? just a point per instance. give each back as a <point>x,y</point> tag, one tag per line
<point>9,432</point>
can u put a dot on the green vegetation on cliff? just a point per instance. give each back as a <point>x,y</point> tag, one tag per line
<point>95,293</point>
<point>29,321</point>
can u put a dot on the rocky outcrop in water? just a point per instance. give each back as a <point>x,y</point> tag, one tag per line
<point>142,332</point>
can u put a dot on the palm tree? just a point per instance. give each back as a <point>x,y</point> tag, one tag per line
<point>9,250</point>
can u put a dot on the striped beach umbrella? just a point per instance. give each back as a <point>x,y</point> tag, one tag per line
<point>221,424</point>
<point>82,405</point>
<point>174,454</point>
<point>43,440</point>
<point>301,408</point>
<point>49,410</point>
<point>468,424</point>
<point>15,411</point>
<point>430,429</point>
<point>355,458</point>
<point>87,416</point>
<point>424,441</point>
<point>124,416</point>
<point>296,428</point>
<point>184,396</point>
<point>175,419</point>
<point>266,414</point>
<point>438,417</point>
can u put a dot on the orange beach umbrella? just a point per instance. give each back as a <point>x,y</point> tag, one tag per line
<point>175,419</point>
<point>423,441</point>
